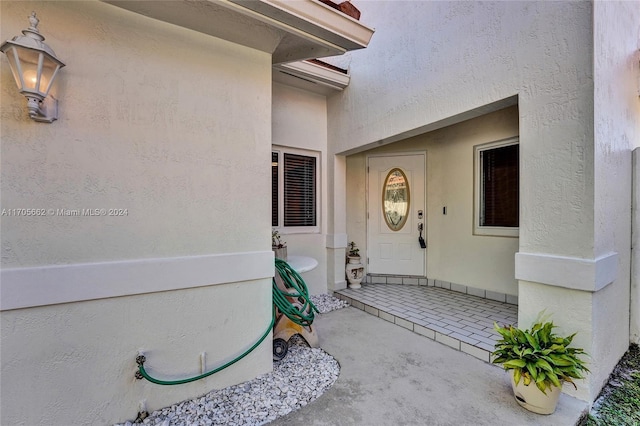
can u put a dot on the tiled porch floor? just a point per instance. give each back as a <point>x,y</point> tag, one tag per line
<point>461,321</point>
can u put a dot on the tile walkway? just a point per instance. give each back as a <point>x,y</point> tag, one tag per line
<point>461,321</point>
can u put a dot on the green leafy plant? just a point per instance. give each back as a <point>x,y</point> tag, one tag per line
<point>353,249</point>
<point>538,355</point>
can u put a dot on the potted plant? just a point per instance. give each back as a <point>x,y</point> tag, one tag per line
<point>278,246</point>
<point>354,251</point>
<point>354,269</point>
<point>540,362</point>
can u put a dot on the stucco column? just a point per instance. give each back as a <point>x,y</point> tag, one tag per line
<point>574,259</point>
<point>336,224</point>
<point>555,264</point>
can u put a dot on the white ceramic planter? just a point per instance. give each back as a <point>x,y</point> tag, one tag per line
<point>354,271</point>
<point>531,398</point>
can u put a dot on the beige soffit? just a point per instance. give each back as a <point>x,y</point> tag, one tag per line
<point>312,76</point>
<point>290,30</point>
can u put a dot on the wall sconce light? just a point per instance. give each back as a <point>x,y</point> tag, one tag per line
<point>34,67</point>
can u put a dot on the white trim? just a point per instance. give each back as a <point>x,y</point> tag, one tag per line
<point>285,230</point>
<point>312,18</point>
<point>317,74</point>
<point>569,272</point>
<point>288,30</point>
<point>494,231</point>
<point>337,241</point>
<point>49,285</point>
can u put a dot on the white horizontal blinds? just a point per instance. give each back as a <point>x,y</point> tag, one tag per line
<point>500,186</point>
<point>299,190</point>
<point>274,189</point>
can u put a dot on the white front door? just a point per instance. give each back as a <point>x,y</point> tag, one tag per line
<point>396,209</point>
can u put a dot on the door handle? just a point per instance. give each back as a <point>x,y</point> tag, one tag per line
<point>421,240</point>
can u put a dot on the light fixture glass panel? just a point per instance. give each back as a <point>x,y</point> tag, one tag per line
<point>29,63</point>
<point>395,199</point>
<point>49,68</point>
<point>11,56</point>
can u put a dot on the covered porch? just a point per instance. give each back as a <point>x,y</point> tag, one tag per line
<point>457,319</point>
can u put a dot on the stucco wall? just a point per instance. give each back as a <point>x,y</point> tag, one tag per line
<point>454,254</point>
<point>431,63</point>
<point>616,133</point>
<point>175,127</point>
<point>142,106</point>
<point>75,363</point>
<point>300,121</point>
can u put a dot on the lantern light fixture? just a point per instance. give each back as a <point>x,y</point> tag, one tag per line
<point>34,66</point>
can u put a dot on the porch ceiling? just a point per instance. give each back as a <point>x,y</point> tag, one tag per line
<point>437,124</point>
<point>289,30</point>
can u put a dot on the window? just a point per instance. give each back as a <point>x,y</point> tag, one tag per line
<point>497,193</point>
<point>294,190</point>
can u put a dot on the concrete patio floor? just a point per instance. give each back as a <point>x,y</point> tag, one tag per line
<point>393,376</point>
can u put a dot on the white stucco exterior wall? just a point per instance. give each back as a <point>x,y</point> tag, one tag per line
<point>617,132</point>
<point>431,61</point>
<point>434,63</point>
<point>75,363</point>
<point>135,122</point>
<point>300,122</point>
<point>175,127</point>
<point>453,253</point>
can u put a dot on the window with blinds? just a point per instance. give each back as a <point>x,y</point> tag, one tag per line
<point>500,181</point>
<point>294,190</point>
<point>299,190</point>
<point>497,188</point>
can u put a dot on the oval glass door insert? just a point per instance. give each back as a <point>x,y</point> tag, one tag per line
<point>395,199</point>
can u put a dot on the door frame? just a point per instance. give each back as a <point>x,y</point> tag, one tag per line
<point>367,192</point>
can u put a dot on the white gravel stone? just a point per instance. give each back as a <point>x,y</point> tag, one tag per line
<point>327,303</point>
<point>303,375</point>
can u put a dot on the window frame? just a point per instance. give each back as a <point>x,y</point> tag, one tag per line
<point>283,230</point>
<point>494,231</point>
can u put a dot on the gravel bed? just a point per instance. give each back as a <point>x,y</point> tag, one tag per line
<point>327,303</point>
<point>303,375</point>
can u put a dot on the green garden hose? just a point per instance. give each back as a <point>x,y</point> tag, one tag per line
<point>291,280</point>
<point>142,373</point>
<point>301,313</point>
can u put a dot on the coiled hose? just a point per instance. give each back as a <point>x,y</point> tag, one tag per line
<point>301,312</point>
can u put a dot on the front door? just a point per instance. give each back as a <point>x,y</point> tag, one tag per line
<point>396,210</point>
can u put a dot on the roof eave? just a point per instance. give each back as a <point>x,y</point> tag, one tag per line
<point>289,30</point>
